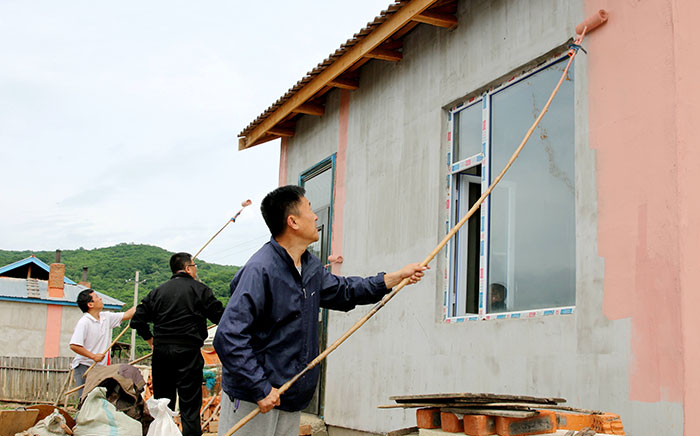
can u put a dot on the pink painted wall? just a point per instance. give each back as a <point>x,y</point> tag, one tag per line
<point>52,338</point>
<point>339,194</point>
<point>643,103</point>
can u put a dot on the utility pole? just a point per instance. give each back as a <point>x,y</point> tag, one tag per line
<point>133,332</point>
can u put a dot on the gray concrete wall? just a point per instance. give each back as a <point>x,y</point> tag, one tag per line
<point>394,214</point>
<point>23,327</point>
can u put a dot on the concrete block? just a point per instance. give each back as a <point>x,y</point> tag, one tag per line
<point>544,422</point>
<point>479,425</point>
<point>428,418</point>
<point>451,423</point>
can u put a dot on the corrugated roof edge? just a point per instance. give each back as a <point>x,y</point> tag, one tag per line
<point>14,289</point>
<point>383,16</point>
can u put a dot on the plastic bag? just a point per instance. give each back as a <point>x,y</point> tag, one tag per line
<point>52,425</point>
<point>99,417</point>
<point>163,424</point>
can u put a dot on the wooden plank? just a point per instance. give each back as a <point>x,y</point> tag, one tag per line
<point>447,21</point>
<point>15,421</point>
<point>310,109</point>
<point>495,405</point>
<point>385,55</point>
<point>357,52</point>
<point>507,413</point>
<point>474,397</point>
<point>345,83</point>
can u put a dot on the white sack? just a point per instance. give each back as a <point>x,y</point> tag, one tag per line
<point>163,424</point>
<point>99,417</point>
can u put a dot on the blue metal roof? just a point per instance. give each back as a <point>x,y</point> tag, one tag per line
<point>36,261</point>
<point>13,289</point>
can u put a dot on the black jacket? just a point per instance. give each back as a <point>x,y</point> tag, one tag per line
<point>178,309</point>
<point>269,331</point>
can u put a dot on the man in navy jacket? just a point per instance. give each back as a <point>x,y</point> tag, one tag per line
<point>268,332</point>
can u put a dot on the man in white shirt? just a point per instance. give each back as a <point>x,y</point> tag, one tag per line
<point>93,333</point>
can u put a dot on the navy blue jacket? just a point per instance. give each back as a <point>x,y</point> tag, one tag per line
<point>269,330</point>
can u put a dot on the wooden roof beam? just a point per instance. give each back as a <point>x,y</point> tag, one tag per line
<point>310,109</point>
<point>380,34</point>
<point>385,55</point>
<point>447,21</point>
<point>281,131</point>
<point>345,83</point>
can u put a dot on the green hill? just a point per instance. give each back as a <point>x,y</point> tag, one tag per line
<point>111,270</point>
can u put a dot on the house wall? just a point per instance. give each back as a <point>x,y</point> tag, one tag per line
<point>628,347</point>
<point>23,327</point>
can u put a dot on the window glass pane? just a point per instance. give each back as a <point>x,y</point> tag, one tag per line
<point>319,189</point>
<point>467,132</point>
<point>532,222</point>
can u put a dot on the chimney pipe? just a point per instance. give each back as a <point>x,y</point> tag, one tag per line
<point>57,272</point>
<point>84,281</point>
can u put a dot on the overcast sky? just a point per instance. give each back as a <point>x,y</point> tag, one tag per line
<point>119,120</point>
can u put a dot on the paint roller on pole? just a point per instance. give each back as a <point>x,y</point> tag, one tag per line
<point>589,24</point>
<point>232,220</point>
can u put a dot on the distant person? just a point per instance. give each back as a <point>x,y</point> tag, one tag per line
<point>179,309</point>
<point>269,331</point>
<point>93,333</point>
<point>498,295</point>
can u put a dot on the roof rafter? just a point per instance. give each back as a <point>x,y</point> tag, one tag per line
<point>309,108</point>
<point>447,21</point>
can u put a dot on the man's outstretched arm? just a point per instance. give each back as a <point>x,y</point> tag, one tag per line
<point>414,272</point>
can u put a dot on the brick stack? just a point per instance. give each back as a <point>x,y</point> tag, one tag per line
<point>482,414</point>
<point>543,422</point>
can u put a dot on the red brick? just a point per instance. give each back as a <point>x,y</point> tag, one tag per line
<point>544,422</point>
<point>608,423</point>
<point>479,425</point>
<point>574,421</point>
<point>428,418</point>
<point>451,423</point>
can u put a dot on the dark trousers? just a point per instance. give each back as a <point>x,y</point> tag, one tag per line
<point>179,368</point>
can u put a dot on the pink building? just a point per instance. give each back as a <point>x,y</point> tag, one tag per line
<point>593,235</point>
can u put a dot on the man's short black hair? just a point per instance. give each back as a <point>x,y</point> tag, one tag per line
<point>84,297</point>
<point>179,261</point>
<point>278,205</point>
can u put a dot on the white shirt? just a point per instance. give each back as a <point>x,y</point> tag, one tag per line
<point>94,335</point>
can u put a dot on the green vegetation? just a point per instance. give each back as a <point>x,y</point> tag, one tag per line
<point>111,271</point>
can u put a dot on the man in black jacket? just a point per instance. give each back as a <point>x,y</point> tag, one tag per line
<point>269,331</point>
<point>179,309</point>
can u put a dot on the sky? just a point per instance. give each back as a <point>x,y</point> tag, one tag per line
<point>119,120</point>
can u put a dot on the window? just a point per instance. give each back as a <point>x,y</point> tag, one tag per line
<point>517,254</point>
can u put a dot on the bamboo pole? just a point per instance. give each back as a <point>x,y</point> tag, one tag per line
<point>431,256</point>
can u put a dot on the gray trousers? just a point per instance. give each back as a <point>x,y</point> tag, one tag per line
<point>79,377</point>
<point>273,423</point>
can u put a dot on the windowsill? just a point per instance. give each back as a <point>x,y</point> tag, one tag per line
<point>538,313</point>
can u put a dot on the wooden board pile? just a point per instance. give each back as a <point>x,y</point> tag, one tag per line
<point>482,414</point>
